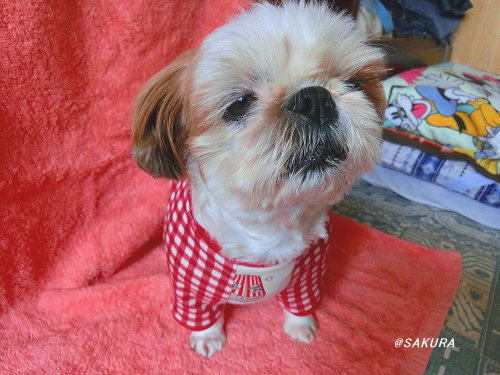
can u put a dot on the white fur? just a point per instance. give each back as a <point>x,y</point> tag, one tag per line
<point>208,341</point>
<point>237,192</point>
<point>258,234</point>
<point>300,328</point>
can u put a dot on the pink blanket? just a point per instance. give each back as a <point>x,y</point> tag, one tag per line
<point>83,287</point>
<point>73,206</point>
<point>378,289</point>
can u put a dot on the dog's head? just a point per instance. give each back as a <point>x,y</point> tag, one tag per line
<point>282,101</point>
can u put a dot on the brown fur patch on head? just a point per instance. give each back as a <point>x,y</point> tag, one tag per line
<point>160,125</point>
<point>370,80</point>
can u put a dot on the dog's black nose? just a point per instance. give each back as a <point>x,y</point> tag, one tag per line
<point>315,103</point>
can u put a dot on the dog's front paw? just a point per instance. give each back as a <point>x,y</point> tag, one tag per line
<point>301,328</point>
<point>209,341</point>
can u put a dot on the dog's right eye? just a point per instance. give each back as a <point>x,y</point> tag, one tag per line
<point>238,109</point>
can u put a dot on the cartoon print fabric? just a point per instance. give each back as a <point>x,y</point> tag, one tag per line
<point>449,109</point>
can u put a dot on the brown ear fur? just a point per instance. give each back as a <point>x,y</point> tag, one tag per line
<point>370,79</point>
<point>159,129</point>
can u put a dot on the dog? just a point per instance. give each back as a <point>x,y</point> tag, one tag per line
<point>262,127</point>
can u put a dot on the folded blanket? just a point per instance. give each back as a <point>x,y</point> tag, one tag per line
<point>422,191</point>
<point>454,175</point>
<point>449,110</point>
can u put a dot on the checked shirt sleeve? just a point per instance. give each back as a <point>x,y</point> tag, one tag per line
<point>200,277</point>
<point>303,293</point>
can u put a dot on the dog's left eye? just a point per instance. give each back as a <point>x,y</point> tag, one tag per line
<point>356,85</point>
<point>238,109</point>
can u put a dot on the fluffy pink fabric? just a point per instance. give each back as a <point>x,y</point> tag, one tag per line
<point>83,284</point>
<point>73,206</point>
<point>379,288</point>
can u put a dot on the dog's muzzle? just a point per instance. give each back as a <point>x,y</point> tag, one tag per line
<point>315,115</point>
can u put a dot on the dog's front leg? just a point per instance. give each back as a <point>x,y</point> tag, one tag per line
<point>210,340</point>
<point>301,328</point>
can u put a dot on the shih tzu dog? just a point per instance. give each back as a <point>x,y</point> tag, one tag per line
<point>262,128</point>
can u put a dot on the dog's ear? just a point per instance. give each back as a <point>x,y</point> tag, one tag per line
<point>159,130</point>
<point>370,79</point>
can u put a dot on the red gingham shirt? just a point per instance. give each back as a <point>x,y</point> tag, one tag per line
<point>203,279</point>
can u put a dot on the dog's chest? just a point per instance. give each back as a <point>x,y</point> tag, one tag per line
<point>258,236</point>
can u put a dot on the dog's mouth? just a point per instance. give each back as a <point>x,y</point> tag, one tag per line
<point>315,133</point>
<point>320,159</point>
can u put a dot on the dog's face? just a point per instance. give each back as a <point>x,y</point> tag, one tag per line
<point>282,101</point>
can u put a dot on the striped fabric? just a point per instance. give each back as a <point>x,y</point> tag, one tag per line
<point>249,286</point>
